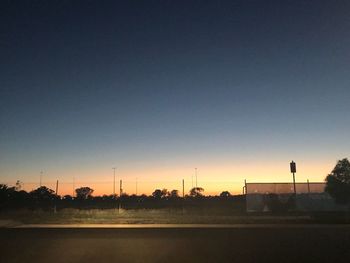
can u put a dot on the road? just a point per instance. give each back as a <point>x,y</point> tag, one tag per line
<point>295,243</point>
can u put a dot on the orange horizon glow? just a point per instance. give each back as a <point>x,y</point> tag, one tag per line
<point>213,178</point>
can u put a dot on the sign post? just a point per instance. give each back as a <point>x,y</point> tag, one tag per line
<point>293,170</point>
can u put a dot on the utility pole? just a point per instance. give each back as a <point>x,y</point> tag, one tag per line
<point>120,188</point>
<point>55,207</point>
<point>57,187</point>
<point>73,186</point>
<point>120,195</point>
<point>41,177</point>
<point>113,182</point>
<point>183,188</point>
<point>183,196</point>
<point>136,186</point>
<point>196,176</point>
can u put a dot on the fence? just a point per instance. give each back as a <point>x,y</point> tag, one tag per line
<point>285,188</point>
<point>277,197</point>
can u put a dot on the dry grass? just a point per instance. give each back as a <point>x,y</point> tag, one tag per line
<point>142,216</point>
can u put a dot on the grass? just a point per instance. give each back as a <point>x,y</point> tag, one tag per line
<point>143,216</point>
<point>164,216</point>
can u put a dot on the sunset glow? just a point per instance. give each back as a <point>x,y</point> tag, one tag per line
<point>214,179</point>
<point>236,91</point>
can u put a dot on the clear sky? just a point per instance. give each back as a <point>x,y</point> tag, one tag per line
<point>237,89</point>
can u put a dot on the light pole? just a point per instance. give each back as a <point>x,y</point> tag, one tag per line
<point>196,176</point>
<point>73,187</point>
<point>183,188</point>
<point>120,195</point>
<point>41,177</point>
<point>136,186</point>
<point>113,182</point>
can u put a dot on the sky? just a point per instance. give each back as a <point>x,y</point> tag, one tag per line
<point>236,89</point>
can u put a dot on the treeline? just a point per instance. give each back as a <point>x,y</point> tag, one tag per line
<point>45,198</point>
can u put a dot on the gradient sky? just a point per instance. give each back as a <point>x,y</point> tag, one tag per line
<point>157,88</point>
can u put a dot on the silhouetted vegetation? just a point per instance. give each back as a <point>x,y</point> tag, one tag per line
<point>338,182</point>
<point>45,198</point>
<point>84,193</point>
<point>196,192</point>
<point>225,194</point>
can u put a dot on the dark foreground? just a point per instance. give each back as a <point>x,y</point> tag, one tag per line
<point>302,243</point>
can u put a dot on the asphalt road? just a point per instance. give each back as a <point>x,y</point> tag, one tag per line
<point>241,244</point>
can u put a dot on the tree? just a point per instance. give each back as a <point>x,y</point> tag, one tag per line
<point>174,194</point>
<point>3,192</point>
<point>67,198</point>
<point>158,194</point>
<point>84,193</point>
<point>196,192</point>
<point>165,193</point>
<point>3,189</point>
<point>225,194</point>
<point>43,193</point>
<point>338,182</point>
<point>18,186</point>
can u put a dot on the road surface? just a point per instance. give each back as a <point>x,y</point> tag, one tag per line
<point>294,243</point>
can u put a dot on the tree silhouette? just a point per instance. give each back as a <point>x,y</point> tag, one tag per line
<point>196,192</point>
<point>338,182</point>
<point>174,194</point>
<point>84,193</point>
<point>225,194</point>
<point>165,193</point>
<point>43,193</point>
<point>67,198</point>
<point>3,192</point>
<point>18,186</point>
<point>158,194</point>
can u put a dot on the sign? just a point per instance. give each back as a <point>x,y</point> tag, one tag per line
<point>293,167</point>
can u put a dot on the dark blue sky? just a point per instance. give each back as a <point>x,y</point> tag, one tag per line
<point>134,82</point>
